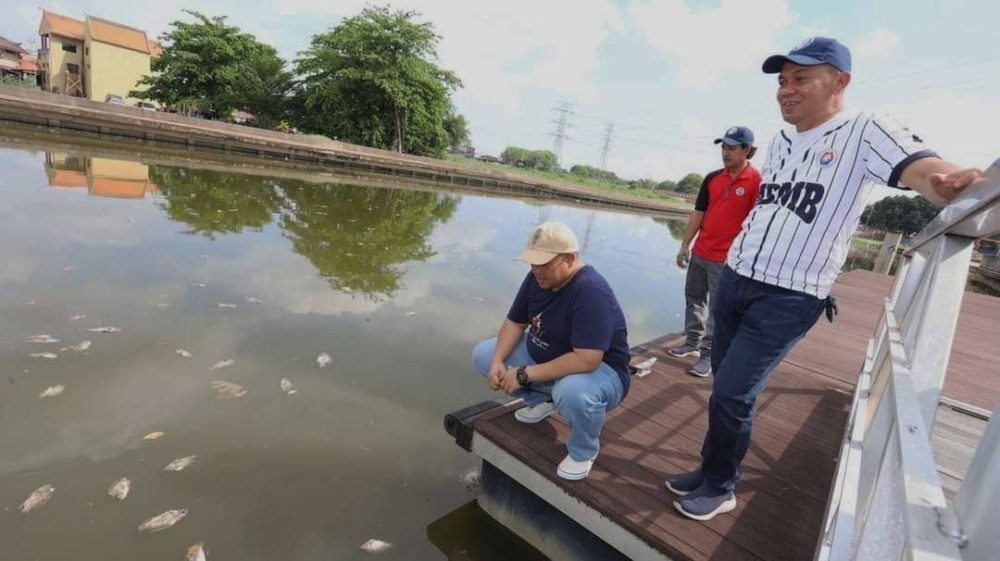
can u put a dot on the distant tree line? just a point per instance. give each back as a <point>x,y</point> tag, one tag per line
<point>900,214</point>
<point>370,80</point>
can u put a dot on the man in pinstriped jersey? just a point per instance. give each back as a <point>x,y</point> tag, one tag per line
<point>781,267</point>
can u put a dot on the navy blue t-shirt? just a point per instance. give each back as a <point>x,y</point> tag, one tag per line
<point>584,314</point>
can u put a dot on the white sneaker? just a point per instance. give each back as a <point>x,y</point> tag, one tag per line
<point>535,414</point>
<point>573,470</point>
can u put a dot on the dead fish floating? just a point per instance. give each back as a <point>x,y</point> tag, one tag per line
<point>375,546</point>
<point>225,306</point>
<point>227,390</point>
<point>162,521</point>
<point>287,387</point>
<point>180,464</point>
<point>153,435</point>
<point>44,355</point>
<point>81,348</point>
<point>78,317</point>
<point>254,300</point>
<point>199,284</point>
<point>197,552</point>
<point>104,329</point>
<point>41,339</point>
<point>184,353</point>
<point>52,391</point>
<point>120,489</point>
<point>222,364</point>
<point>323,360</point>
<point>38,498</point>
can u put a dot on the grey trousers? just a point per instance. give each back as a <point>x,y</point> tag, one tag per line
<point>702,278</point>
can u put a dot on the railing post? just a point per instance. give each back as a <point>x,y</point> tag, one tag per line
<point>977,500</point>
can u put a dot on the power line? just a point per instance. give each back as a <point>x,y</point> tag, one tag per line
<point>565,109</point>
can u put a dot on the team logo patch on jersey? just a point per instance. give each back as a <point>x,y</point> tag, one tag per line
<point>740,191</point>
<point>826,157</point>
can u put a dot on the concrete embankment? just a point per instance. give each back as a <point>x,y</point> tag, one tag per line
<point>61,112</point>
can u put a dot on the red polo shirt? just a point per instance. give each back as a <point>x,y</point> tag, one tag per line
<point>726,202</point>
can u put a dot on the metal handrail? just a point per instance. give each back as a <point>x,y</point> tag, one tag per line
<point>887,501</point>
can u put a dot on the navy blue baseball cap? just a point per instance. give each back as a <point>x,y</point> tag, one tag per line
<point>812,51</point>
<point>736,136</point>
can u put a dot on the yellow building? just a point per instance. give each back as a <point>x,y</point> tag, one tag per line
<point>94,58</point>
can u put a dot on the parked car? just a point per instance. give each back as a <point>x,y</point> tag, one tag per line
<point>147,105</point>
<point>114,99</point>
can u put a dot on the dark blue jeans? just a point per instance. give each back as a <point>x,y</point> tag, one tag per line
<point>756,325</point>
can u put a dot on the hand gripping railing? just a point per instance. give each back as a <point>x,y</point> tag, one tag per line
<point>887,501</point>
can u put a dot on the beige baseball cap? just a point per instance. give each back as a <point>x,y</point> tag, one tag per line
<point>548,240</point>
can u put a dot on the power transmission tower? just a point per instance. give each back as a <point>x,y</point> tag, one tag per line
<point>565,109</point>
<point>609,133</point>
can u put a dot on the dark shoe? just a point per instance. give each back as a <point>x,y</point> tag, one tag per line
<point>705,502</point>
<point>683,483</point>
<point>702,368</point>
<point>684,350</point>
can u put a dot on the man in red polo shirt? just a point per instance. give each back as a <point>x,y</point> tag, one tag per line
<point>727,195</point>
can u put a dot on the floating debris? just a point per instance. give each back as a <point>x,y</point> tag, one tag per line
<point>180,464</point>
<point>83,347</point>
<point>223,364</point>
<point>197,552</point>
<point>120,489</point>
<point>155,435</point>
<point>471,479</point>
<point>184,353</point>
<point>227,390</point>
<point>52,391</point>
<point>41,339</point>
<point>162,521</point>
<point>44,355</point>
<point>105,329</point>
<point>223,305</point>
<point>254,300</point>
<point>68,269</point>
<point>287,387</point>
<point>38,498</point>
<point>375,546</point>
<point>162,305</point>
<point>323,359</point>
<point>199,284</point>
<point>78,317</point>
<point>410,314</point>
<point>478,299</point>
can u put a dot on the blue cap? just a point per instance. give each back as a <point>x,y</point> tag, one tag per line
<point>812,51</point>
<point>736,136</point>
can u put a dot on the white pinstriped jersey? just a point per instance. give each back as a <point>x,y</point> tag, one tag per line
<point>813,188</point>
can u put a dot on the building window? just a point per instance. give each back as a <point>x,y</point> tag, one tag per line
<point>69,48</point>
<point>86,51</point>
<point>73,68</point>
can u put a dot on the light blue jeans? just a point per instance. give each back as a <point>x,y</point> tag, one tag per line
<point>583,400</point>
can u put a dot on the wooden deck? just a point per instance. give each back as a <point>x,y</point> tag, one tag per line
<point>789,468</point>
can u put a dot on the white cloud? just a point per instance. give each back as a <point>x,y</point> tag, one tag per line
<point>503,49</point>
<point>692,37</point>
<point>880,44</point>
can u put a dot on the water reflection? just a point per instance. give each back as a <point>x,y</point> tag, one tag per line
<point>395,285</point>
<point>101,177</point>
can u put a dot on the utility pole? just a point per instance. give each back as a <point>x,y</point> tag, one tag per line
<point>565,109</point>
<point>606,146</point>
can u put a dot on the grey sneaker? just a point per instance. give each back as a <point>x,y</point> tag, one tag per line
<point>684,350</point>
<point>683,483</point>
<point>705,502</point>
<point>702,368</point>
<point>536,414</point>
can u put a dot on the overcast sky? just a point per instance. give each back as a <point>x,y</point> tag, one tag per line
<point>671,74</point>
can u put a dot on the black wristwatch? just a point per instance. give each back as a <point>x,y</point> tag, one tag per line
<point>522,377</point>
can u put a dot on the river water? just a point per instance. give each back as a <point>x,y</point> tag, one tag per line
<point>396,286</point>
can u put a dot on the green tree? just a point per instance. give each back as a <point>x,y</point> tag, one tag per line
<point>647,184</point>
<point>457,128</point>
<point>370,80</point>
<point>666,185</point>
<point>542,160</point>
<point>691,183</point>
<point>900,214</point>
<point>214,66</point>
<point>594,173</point>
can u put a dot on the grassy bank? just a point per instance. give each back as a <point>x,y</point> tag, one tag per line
<point>865,244</point>
<point>570,179</point>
